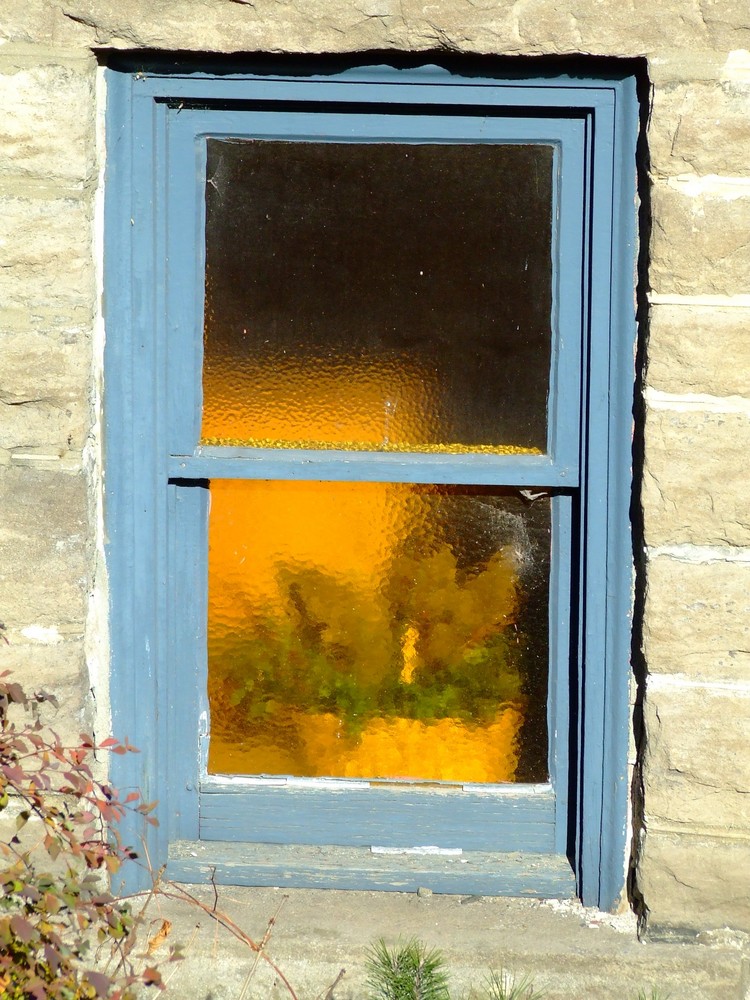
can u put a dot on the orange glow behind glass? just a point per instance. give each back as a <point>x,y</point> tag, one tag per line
<point>319,559</point>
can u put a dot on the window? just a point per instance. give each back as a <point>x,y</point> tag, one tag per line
<point>368,381</point>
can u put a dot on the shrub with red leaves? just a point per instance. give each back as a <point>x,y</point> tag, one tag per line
<point>62,935</point>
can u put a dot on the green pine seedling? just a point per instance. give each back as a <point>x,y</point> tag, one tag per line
<point>406,972</point>
<point>503,985</point>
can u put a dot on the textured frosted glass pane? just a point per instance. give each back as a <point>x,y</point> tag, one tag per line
<point>378,630</point>
<point>377,295</point>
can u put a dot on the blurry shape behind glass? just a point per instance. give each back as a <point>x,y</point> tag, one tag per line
<point>378,296</point>
<point>373,630</point>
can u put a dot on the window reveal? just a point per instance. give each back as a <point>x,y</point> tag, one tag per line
<point>507,376</point>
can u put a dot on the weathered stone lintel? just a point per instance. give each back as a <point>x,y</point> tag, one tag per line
<point>626,28</point>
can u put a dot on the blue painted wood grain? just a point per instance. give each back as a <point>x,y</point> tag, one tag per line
<point>347,466</point>
<point>474,873</point>
<point>384,816</point>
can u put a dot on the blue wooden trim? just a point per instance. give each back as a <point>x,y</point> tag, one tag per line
<point>187,617</point>
<point>118,414</point>
<point>347,466</point>
<point>184,281</point>
<point>144,130</point>
<point>568,318</point>
<point>383,816</point>
<point>188,129</point>
<point>578,832</point>
<point>309,125</point>
<point>380,85</point>
<point>133,449</point>
<point>606,553</point>
<point>545,876</point>
<point>558,705</point>
<point>619,574</point>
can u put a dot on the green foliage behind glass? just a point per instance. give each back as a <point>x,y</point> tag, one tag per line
<point>434,642</point>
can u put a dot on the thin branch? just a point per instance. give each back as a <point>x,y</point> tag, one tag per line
<point>179,892</point>
<point>334,984</point>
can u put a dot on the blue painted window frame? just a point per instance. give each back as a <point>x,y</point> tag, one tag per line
<point>570,835</point>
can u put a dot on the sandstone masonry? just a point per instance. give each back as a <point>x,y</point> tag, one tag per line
<point>691,836</point>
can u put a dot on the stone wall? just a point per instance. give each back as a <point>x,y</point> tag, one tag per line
<point>692,793</point>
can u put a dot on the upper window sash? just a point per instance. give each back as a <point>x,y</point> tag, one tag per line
<point>183,193</point>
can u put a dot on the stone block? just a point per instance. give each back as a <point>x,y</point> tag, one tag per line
<point>727,23</point>
<point>44,387</point>
<point>699,349</point>
<point>59,669</point>
<point>47,125</point>
<point>697,619</point>
<point>27,22</point>
<point>632,28</point>
<point>670,65</point>
<point>695,477</point>
<point>222,26</point>
<point>46,355</point>
<point>43,423</point>
<point>700,242</point>
<point>697,766</point>
<point>700,128</point>
<point>44,543</point>
<point>690,881</point>
<point>47,255</point>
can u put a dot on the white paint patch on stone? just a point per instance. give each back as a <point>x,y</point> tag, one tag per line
<point>691,402</point>
<point>31,457</point>
<point>96,639</point>
<point>741,301</point>
<point>670,682</point>
<point>697,554</point>
<point>378,8</point>
<point>73,542</point>
<point>624,921</point>
<point>49,636</point>
<point>737,67</point>
<point>711,185</point>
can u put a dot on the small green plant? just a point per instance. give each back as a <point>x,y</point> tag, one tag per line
<point>406,972</point>
<point>62,935</point>
<point>504,985</point>
<point>655,994</point>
